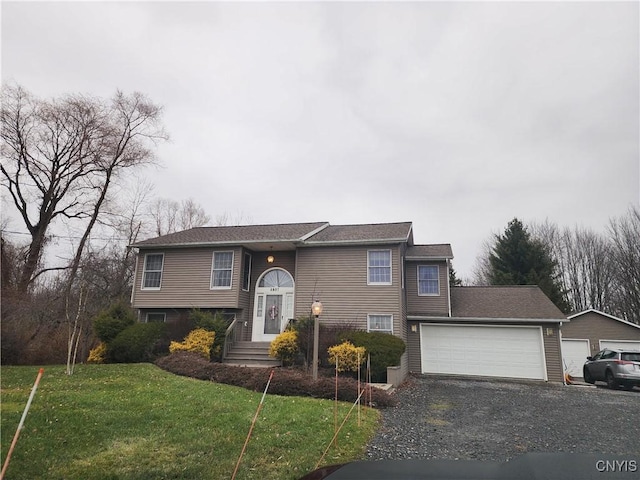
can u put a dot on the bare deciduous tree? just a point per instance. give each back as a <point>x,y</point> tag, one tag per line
<point>62,155</point>
<point>169,216</point>
<point>625,253</point>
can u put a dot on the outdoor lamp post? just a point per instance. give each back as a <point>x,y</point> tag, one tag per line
<point>316,310</point>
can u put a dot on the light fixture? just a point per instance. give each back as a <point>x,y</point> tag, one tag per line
<point>316,308</point>
<point>270,259</point>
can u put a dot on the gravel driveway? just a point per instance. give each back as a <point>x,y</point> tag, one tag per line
<point>446,418</point>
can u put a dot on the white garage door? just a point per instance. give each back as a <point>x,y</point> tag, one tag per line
<point>631,344</point>
<point>484,350</point>
<point>574,354</point>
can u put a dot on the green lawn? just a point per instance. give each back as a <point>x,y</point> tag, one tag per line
<point>130,422</point>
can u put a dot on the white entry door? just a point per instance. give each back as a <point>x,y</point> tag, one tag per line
<point>273,305</point>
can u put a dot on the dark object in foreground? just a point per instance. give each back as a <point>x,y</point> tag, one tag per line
<point>530,466</point>
<point>286,381</point>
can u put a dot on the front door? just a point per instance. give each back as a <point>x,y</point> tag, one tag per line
<point>273,305</point>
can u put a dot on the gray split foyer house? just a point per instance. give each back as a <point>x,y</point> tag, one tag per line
<point>370,276</point>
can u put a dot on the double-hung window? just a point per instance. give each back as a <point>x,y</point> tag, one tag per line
<point>152,273</point>
<point>221,270</point>
<point>380,323</point>
<point>379,267</point>
<point>428,280</point>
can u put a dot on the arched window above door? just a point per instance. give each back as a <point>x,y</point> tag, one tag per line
<point>276,278</point>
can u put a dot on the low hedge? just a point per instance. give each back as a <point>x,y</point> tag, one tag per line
<point>286,382</point>
<point>385,350</point>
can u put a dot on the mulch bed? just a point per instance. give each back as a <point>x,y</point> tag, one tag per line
<point>285,381</point>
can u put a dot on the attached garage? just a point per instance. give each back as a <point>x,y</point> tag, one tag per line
<point>597,330</point>
<point>574,353</point>
<point>483,350</point>
<point>624,344</point>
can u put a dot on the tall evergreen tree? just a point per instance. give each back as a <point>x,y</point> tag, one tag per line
<point>518,259</point>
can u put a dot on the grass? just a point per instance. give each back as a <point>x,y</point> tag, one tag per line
<point>139,422</point>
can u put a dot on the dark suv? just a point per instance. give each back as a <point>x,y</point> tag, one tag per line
<point>614,366</point>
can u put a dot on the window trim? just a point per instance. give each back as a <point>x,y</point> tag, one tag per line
<point>164,317</point>
<point>213,270</point>
<point>437,267</point>
<point>390,267</point>
<point>248,277</point>
<point>369,315</point>
<point>144,272</point>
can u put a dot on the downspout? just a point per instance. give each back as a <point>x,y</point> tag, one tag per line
<point>448,287</point>
<point>564,376</point>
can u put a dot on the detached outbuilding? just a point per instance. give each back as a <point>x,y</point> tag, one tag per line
<point>590,331</point>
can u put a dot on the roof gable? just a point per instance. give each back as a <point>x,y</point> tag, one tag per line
<point>518,301</point>
<point>575,316</point>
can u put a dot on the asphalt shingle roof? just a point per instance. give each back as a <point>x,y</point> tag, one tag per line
<point>288,232</point>
<point>517,301</point>
<point>442,250</point>
<point>362,233</point>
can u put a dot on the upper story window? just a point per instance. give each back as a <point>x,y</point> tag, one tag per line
<point>379,267</point>
<point>246,272</point>
<point>222,270</point>
<point>428,280</point>
<point>152,273</point>
<point>380,323</point>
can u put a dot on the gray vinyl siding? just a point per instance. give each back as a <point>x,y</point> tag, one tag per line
<point>337,276</point>
<point>413,348</point>
<point>596,327</point>
<point>552,353</point>
<point>551,343</point>
<point>427,304</point>
<point>186,280</point>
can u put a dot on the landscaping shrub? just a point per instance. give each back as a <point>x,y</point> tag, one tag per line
<point>329,336</point>
<point>110,322</point>
<point>385,350</point>
<point>213,323</point>
<point>98,354</point>
<point>285,347</point>
<point>348,356</point>
<point>198,341</point>
<point>136,343</point>
<point>286,381</point>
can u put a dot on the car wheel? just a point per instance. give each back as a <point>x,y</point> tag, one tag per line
<point>587,376</point>
<point>611,381</point>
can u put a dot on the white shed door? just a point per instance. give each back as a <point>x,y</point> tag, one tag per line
<point>574,354</point>
<point>623,344</point>
<point>484,350</point>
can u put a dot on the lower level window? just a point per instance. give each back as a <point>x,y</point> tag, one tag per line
<point>156,317</point>
<point>380,323</point>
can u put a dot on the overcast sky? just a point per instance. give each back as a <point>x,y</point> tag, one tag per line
<point>456,116</point>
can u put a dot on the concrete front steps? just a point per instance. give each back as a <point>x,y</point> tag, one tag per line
<point>251,354</point>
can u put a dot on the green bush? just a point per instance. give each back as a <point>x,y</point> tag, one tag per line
<point>110,322</point>
<point>136,343</point>
<point>212,323</point>
<point>329,336</point>
<point>385,350</point>
<point>285,347</point>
